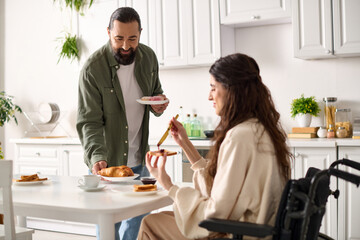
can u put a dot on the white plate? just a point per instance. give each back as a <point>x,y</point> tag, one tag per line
<point>30,183</point>
<point>121,179</point>
<point>129,190</point>
<point>91,189</point>
<point>152,102</point>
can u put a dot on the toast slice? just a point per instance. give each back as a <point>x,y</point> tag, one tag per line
<point>161,152</point>
<point>145,188</point>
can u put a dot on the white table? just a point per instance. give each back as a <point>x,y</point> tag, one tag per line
<point>61,199</point>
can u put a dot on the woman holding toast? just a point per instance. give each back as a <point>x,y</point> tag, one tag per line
<point>246,169</point>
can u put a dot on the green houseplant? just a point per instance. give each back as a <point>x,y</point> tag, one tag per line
<point>69,47</point>
<point>303,108</point>
<point>305,105</point>
<point>7,112</point>
<point>78,5</point>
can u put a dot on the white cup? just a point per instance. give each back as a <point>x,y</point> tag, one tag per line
<point>90,181</point>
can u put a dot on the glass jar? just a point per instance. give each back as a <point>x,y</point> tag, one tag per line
<point>341,132</point>
<point>322,132</point>
<point>343,119</point>
<point>330,108</point>
<point>330,133</point>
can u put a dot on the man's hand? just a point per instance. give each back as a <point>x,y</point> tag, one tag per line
<point>98,166</point>
<point>160,108</point>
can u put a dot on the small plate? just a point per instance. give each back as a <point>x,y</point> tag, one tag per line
<point>152,102</point>
<point>129,190</point>
<point>120,179</point>
<point>91,189</point>
<point>30,182</point>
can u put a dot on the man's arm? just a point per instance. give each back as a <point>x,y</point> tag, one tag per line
<point>90,120</point>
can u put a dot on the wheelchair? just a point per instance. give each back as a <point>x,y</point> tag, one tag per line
<point>300,211</point>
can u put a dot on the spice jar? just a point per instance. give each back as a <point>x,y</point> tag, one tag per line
<point>341,132</point>
<point>343,119</point>
<point>330,133</point>
<point>322,132</point>
<point>330,108</point>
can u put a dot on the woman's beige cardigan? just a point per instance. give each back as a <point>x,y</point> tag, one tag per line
<point>247,185</point>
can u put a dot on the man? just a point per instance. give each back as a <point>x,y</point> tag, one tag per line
<point>113,128</point>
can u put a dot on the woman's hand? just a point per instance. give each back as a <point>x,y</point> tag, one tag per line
<point>157,169</point>
<point>178,132</point>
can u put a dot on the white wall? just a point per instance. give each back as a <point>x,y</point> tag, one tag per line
<point>32,74</point>
<point>289,77</point>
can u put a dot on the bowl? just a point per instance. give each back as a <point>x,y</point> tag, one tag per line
<point>209,133</point>
<point>148,180</point>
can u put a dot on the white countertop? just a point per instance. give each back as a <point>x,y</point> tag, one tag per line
<point>203,143</point>
<point>65,140</point>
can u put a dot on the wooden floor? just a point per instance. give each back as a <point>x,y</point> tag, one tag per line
<point>47,235</point>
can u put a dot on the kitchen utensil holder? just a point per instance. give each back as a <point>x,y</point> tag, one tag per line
<point>39,129</point>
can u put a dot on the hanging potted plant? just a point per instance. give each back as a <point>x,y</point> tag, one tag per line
<point>78,5</point>
<point>69,47</point>
<point>7,112</point>
<point>302,109</point>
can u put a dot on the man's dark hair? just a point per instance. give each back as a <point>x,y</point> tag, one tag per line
<point>124,15</point>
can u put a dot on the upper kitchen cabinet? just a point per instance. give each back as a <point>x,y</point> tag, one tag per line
<point>188,32</point>
<point>254,12</point>
<point>326,28</point>
<point>346,22</point>
<point>146,10</point>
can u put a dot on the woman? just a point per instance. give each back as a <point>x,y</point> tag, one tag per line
<point>248,165</point>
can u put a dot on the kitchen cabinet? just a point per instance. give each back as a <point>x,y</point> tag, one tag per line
<point>326,28</point>
<point>181,32</point>
<point>188,32</point>
<point>49,159</point>
<point>321,158</point>
<point>254,12</point>
<point>349,198</point>
<point>147,12</point>
<point>73,160</point>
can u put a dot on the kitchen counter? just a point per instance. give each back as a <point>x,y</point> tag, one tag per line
<point>315,142</point>
<point>65,140</point>
<point>203,142</point>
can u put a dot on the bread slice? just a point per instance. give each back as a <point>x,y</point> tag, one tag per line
<point>145,188</point>
<point>161,152</point>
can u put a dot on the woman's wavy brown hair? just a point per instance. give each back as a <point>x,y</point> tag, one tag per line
<point>247,97</point>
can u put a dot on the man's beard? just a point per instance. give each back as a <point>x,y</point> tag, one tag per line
<point>124,59</point>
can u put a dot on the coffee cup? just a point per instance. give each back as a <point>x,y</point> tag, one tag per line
<point>90,181</point>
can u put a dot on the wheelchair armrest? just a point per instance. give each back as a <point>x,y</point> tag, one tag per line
<point>236,227</point>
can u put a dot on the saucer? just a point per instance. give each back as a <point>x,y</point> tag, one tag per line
<point>91,189</point>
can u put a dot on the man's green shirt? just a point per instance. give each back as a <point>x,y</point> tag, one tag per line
<point>101,122</point>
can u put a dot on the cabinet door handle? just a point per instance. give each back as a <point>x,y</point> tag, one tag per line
<point>328,51</point>
<point>255,17</point>
<point>37,154</point>
<point>297,154</point>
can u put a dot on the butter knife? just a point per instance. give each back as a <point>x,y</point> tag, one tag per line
<point>166,133</point>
